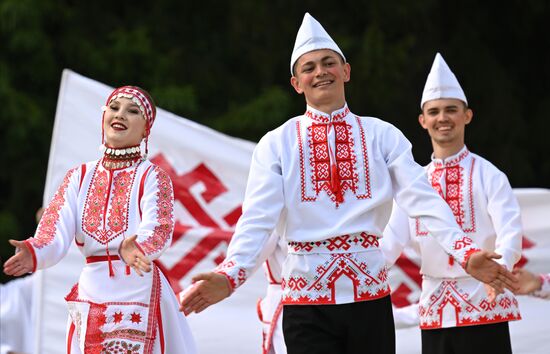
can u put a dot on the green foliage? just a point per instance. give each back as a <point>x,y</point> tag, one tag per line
<point>225,64</point>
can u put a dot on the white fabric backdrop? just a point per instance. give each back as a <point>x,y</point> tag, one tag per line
<point>209,171</point>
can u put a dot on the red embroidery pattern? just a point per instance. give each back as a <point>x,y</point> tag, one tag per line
<point>339,243</point>
<point>296,283</point>
<point>92,219</point>
<point>467,313</point>
<point>135,317</point>
<point>117,317</point>
<point>154,313</point>
<point>94,334</point>
<point>129,327</point>
<point>97,199</point>
<point>334,180</point>
<point>453,194</point>
<point>302,167</point>
<point>367,193</point>
<point>47,226</point>
<point>122,186</point>
<point>228,269</point>
<point>321,176</point>
<point>325,119</point>
<point>165,217</point>
<point>320,288</point>
<point>120,346</point>
<point>462,243</point>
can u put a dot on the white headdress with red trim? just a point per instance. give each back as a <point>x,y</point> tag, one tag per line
<point>142,100</point>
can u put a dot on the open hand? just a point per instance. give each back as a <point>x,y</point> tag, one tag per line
<point>528,282</point>
<point>481,265</point>
<point>207,289</point>
<point>132,256</point>
<point>21,263</point>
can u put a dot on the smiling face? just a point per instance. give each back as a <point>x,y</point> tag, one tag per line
<point>446,120</point>
<point>123,123</point>
<point>320,75</point>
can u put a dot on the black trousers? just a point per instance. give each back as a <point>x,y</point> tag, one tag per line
<point>480,339</point>
<point>357,328</point>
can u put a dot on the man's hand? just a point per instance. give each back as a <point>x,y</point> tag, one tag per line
<point>528,282</point>
<point>132,256</point>
<point>207,289</point>
<point>21,263</point>
<point>481,265</point>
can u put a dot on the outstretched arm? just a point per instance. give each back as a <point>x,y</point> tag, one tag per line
<point>21,263</point>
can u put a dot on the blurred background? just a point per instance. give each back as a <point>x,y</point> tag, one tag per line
<point>225,64</point>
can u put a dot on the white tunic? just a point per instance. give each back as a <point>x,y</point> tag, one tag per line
<point>485,207</point>
<point>97,208</point>
<point>335,176</point>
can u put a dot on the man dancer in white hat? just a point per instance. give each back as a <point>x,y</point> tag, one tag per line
<point>458,313</point>
<point>334,174</point>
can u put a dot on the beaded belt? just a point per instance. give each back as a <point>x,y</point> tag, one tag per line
<point>340,244</point>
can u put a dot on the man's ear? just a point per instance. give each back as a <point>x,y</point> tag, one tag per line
<point>422,120</point>
<point>296,84</point>
<point>469,116</point>
<point>347,72</point>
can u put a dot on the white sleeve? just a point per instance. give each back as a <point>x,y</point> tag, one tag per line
<point>57,227</point>
<point>417,198</point>
<point>544,291</point>
<point>505,214</point>
<point>157,221</point>
<point>396,235</point>
<point>263,203</point>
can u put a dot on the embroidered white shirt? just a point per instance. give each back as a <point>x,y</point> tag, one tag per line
<point>97,208</point>
<point>335,177</point>
<point>483,203</point>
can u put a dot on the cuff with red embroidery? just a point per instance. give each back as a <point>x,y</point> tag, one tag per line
<point>29,245</point>
<point>466,256</point>
<point>235,276</point>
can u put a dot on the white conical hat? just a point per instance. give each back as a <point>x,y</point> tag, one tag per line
<point>441,83</point>
<point>312,36</point>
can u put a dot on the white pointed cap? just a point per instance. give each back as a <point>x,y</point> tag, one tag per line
<point>441,83</point>
<point>312,36</point>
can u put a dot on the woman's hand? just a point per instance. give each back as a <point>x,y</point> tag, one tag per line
<point>21,263</point>
<point>528,282</point>
<point>132,256</point>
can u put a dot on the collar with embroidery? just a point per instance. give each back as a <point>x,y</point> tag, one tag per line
<point>451,160</point>
<point>322,117</point>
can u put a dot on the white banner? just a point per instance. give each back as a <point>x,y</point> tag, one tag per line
<point>209,172</point>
